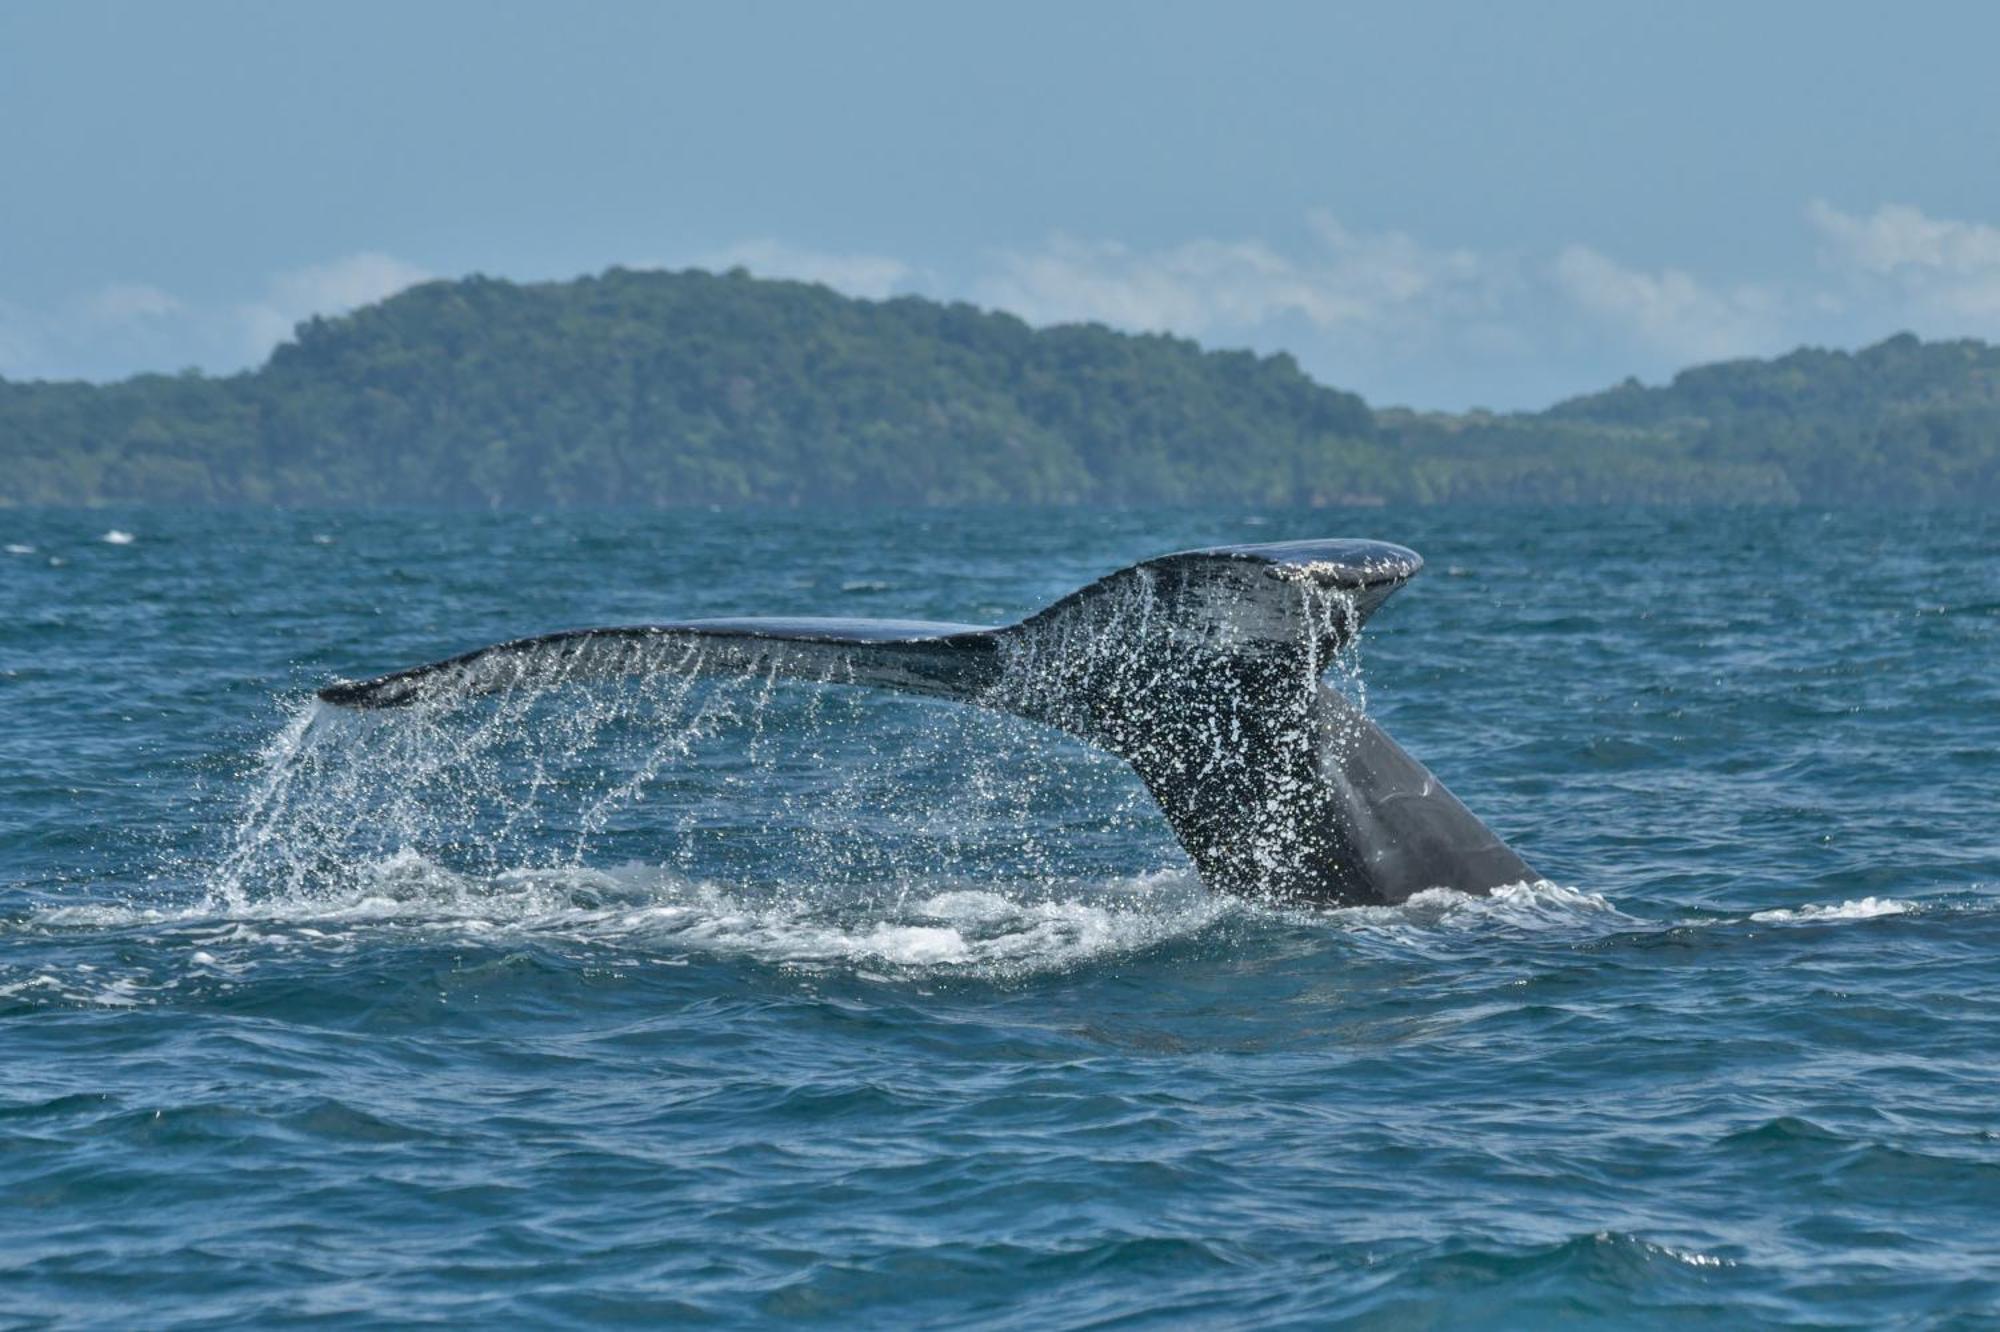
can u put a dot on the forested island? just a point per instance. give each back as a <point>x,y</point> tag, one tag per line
<point>665,389</point>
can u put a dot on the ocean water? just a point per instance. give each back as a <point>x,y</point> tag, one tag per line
<point>738,1002</point>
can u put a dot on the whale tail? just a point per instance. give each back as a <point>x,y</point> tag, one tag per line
<point>1200,669</point>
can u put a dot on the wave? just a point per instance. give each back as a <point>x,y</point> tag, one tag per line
<point>1866,908</point>
<point>996,931</point>
<point>1541,902</point>
<point>894,932</point>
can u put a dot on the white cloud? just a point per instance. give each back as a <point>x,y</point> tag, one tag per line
<point>1344,280</point>
<point>358,279</point>
<point>321,289</point>
<point>123,328</point>
<point>1931,272</point>
<point>1667,310</point>
<point>1392,314</point>
<point>1897,236</point>
<point>129,321</point>
<point>1367,295</point>
<point>127,303</point>
<point>872,276</point>
<point>1400,318</point>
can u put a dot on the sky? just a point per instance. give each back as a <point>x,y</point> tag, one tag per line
<point>1438,205</point>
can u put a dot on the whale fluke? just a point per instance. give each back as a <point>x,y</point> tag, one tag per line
<point>1201,669</point>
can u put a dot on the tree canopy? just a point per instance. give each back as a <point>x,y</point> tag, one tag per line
<point>661,389</point>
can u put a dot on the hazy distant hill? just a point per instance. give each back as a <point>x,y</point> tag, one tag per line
<point>1903,421</point>
<point>1900,375</point>
<point>694,388</point>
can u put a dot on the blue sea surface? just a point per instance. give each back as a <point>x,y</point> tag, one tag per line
<point>744,1002</point>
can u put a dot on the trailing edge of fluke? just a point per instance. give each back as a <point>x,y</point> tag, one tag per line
<point>1201,669</point>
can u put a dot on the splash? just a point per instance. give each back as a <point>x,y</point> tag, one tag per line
<point>1238,703</point>
<point>1232,707</point>
<point>786,788</point>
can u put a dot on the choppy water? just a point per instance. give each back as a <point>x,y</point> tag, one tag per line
<point>740,1002</point>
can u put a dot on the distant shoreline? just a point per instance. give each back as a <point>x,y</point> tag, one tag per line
<point>688,390</point>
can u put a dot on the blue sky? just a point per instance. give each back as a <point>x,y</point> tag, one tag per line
<point>1441,205</point>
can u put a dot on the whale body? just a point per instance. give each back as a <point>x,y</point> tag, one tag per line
<point>1200,669</point>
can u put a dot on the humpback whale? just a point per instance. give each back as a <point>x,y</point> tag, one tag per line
<point>1201,669</point>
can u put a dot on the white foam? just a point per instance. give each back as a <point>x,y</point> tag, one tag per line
<point>18,548</point>
<point>1540,904</point>
<point>896,929</point>
<point>1867,908</point>
<point>117,538</point>
<point>644,916</point>
<point>49,983</point>
<point>985,932</point>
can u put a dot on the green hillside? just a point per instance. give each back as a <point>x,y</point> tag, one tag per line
<point>690,388</point>
<point>660,389</point>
